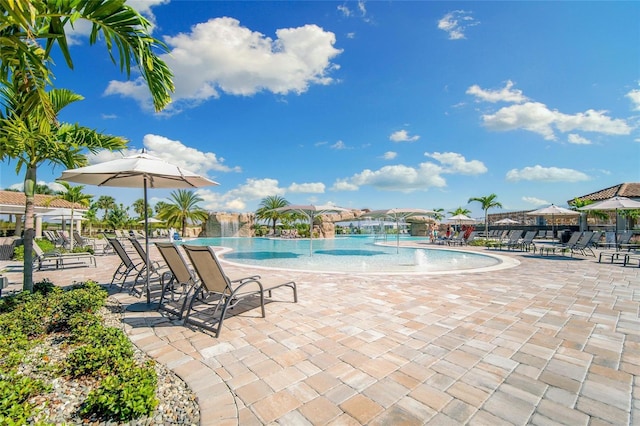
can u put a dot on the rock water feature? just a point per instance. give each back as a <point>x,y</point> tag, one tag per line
<point>222,224</point>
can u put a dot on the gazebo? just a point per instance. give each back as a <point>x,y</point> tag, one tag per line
<point>12,203</point>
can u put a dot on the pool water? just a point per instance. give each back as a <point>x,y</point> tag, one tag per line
<point>362,254</point>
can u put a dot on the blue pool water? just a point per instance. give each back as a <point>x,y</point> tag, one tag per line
<point>360,254</point>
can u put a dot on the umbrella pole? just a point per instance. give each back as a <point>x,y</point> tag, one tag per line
<point>146,239</point>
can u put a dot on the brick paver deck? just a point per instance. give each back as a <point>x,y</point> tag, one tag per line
<point>552,341</point>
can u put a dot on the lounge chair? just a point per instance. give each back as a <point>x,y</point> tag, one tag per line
<point>552,248</point>
<point>513,238</point>
<point>81,241</point>
<point>7,246</point>
<point>154,266</point>
<point>127,265</point>
<point>60,259</point>
<point>218,293</point>
<point>583,245</point>
<point>524,244</point>
<point>178,283</point>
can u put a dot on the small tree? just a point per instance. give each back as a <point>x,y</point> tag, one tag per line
<point>183,209</point>
<point>487,202</point>
<point>266,210</point>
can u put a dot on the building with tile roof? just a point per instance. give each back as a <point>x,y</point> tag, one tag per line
<point>627,189</point>
<point>12,203</point>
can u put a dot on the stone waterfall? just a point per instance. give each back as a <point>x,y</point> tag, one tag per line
<point>223,224</point>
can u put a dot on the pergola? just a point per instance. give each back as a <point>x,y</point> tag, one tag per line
<point>12,203</point>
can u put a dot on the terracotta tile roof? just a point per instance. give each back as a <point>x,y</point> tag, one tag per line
<point>12,198</point>
<point>628,189</point>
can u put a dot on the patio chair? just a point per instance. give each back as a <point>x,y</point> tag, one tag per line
<point>178,283</point>
<point>524,244</point>
<point>60,258</point>
<point>81,241</point>
<point>127,265</point>
<point>512,239</point>
<point>7,246</point>
<point>64,238</point>
<point>552,248</point>
<point>218,293</point>
<point>583,245</point>
<point>154,266</point>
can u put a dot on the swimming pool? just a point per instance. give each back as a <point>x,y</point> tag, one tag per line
<point>361,254</point>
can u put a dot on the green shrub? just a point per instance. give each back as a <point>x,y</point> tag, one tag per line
<point>14,393</point>
<point>105,352</point>
<point>126,396</point>
<point>89,297</point>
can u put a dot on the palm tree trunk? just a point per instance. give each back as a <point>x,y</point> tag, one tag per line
<point>29,228</point>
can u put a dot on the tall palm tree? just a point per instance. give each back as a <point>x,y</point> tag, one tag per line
<point>460,210</point>
<point>106,203</point>
<point>29,29</point>
<point>138,207</point>
<point>182,209</point>
<point>487,202</point>
<point>267,204</point>
<point>33,140</point>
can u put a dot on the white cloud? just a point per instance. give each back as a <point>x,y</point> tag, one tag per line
<point>455,23</point>
<point>634,95</point>
<point>54,186</point>
<point>577,139</point>
<point>535,201</point>
<point>403,136</point>
<point>339,145</point>
<point>536,117</point>
<point>389,155</point>
<point>236,199</point>
<point>174,152</point>
<point>348,13</point>
<point>220,55</point>
<point>506,94</point>
<point>456,163</point>
<point>546,174</point>
<point>314,188</point>
<point>395,178</point>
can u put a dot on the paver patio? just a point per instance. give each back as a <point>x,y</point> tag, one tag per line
<point>554,340</point>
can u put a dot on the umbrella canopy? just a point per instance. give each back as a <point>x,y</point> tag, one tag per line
<point>310,211</point>
<point>151,220</point>
<point>553,211</point>
<point>462,218</point>
<point>506,221</point>
<point>615,203</point>
<point>137,171</point>
<point>397,215</point>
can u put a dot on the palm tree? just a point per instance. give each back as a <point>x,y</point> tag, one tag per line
<point>487,202</point>
<point>29,130</point>
<point>31,28</point>
<point>183,209</point>
<point>460,210</point>
<point>438,214</point>
<point>138,207</point>
<point>266,210</point>
<point>74,195</point>
<point>106,203</point>
<point>33,140</point>
<point>118,217</point>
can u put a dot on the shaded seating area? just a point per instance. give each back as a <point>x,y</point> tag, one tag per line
<point>217,293</point>
<point>59,259</point>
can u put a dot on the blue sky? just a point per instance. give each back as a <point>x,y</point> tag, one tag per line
<point>377,104</point>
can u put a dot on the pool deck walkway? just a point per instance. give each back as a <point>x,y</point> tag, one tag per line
<point>552,341</point>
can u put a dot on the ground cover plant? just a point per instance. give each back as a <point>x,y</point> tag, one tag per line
<point>98,356</point>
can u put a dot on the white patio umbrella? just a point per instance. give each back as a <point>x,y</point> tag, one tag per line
<point>310,211</point>
<point>138,171</point>
<point>151,220</point>
<point>397,215</point>
<point>553,211</point>
<point>506,221</point>
<point>460,219</point>
<point>614,203</point>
